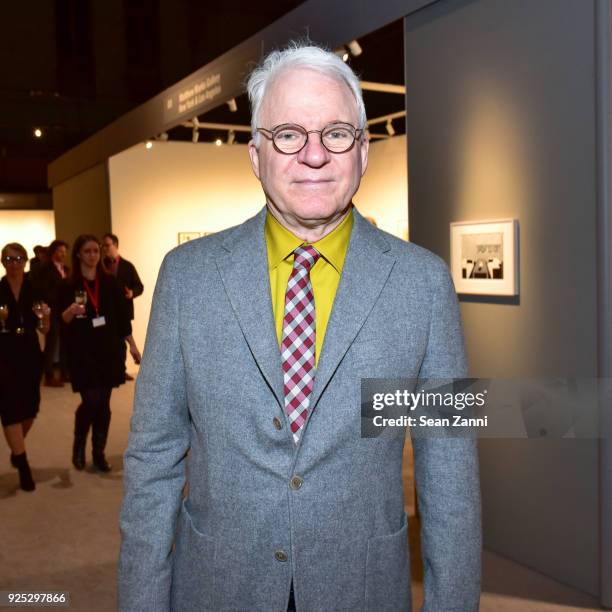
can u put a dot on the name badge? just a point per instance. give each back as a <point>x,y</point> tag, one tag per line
<point>98,321</point>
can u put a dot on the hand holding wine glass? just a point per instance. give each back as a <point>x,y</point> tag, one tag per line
<point>39,311</point>
<point>4,313</point>
<point>80,299</point>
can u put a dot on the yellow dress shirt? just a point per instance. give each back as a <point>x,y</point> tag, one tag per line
<point>324,276</point>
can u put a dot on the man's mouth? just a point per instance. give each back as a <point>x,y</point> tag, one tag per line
<point>313,182</point>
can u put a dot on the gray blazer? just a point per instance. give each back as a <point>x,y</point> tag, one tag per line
<point>211,384</point>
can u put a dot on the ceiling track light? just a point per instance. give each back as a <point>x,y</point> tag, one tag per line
<point>355,48</point>
<point>149,144</point>
<point>390,128</point>
<point>232,105</point>
<point>342,53</point>
<point>38,133</point>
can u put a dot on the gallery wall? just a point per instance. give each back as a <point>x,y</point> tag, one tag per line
<point>27,227</point>
<point>501,122</point>
<point>82,204</point>
<point>181,187</point>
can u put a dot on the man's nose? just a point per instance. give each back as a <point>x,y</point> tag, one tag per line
<point>314,153</point>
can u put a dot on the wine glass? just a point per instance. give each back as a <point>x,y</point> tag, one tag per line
<point>4,313</point>
<point>80,298</point>
<point>38,311</point>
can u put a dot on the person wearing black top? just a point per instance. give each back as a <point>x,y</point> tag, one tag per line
<point>125,273</point>
<point>48,279</point>
<point>21,314</point>
<point>95,334</point>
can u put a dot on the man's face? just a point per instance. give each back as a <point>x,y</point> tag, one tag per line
<point>60,254</point>
<point>313,186</point>
<point>109,248</point>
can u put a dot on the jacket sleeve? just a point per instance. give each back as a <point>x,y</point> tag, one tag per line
<point>154,464</point>
<point>135,283</point>
<point>446,473</point>
<point>124,324</point>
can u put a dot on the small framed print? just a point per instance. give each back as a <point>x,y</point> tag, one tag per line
<point>485,257</point>
<point>187,236</point>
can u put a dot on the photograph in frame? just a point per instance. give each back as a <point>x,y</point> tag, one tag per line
<point>484,257</point>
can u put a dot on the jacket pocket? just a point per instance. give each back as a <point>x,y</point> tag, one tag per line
<point>387,586</point>
<point>193,567</point>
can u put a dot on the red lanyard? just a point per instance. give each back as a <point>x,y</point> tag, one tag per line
<point>93,297</point>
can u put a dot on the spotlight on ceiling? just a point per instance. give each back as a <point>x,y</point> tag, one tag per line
<point>231,137</point>
<point>355,48</point>
<point>390,128</point>
<point>149,144</point>
<point>232,105</point>
<point>38,133</point>
<point>218,142</point>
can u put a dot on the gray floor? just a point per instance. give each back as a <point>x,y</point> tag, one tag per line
<point>64,536</point>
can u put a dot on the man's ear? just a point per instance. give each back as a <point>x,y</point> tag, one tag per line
<point>254,155</point>
<point>364,148</point>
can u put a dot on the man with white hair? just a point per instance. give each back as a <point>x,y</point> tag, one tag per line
<point>249,389</point>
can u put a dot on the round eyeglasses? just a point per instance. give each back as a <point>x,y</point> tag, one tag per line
<point>18,259</point>
<point>289,138</point>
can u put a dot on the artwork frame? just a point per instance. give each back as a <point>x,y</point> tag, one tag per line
<point>485,257</point>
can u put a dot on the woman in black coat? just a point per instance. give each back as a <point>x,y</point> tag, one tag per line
<point>21,315</point>
<point>95,334</point>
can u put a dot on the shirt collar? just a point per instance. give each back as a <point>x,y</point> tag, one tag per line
<point>281,242</point>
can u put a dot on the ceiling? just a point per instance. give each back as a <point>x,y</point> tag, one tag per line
<point>70,67</point>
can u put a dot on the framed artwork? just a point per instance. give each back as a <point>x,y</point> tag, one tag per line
<point>485,257</point>
<point>187,236</point>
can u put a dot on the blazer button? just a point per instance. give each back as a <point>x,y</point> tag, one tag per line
<point>296,482</point>
<point>278,424</point>
<point>281,555</point>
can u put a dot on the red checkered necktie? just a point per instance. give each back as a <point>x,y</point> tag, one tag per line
<point>298,343</point>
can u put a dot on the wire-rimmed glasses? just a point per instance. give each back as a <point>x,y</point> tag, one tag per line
<point>290,138</point>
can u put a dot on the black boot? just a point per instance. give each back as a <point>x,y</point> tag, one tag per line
<point>99,434</point>
<point>26,482</point>
<point>81,429</point>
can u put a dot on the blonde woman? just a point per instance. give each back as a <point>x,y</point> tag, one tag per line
<point>22,314</point>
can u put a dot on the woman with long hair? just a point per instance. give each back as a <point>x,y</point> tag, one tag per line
<point>22,313</point>
<point>97,325</point>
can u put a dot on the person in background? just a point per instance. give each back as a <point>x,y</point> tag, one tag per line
<point>48,281</point>
<point>40,257</point>
<point>37,263</point>
<point>97,326</point>
<point>125,273</point>
<point>22,313</point>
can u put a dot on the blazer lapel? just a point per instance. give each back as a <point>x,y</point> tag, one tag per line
<point>366,269</point>
<point>243,266</point>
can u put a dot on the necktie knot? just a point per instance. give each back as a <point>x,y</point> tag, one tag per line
<point>305,257</point>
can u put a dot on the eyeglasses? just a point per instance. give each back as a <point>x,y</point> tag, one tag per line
<point>17,259</point>
<point>289,138</point>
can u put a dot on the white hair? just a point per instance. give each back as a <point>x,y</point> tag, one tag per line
<point>299,55</point>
